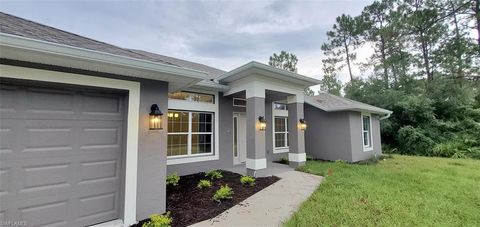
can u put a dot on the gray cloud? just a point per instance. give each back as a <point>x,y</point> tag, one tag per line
<point>224,34</point>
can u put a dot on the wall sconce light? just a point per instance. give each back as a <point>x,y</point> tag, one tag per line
<point>262,123</point>
<point>303,124</point>
<point>155,118</point>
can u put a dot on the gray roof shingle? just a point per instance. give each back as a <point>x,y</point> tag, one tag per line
<point>331,103</point>
<point>13,25</point>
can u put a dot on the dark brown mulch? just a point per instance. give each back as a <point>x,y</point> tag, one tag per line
<point>188,204</point>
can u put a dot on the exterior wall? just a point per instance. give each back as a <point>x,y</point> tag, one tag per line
<point>328,134</point>
<point>338,135</point>
<point>152,150</point>
<point>225,143</point>
<point>357,143</point>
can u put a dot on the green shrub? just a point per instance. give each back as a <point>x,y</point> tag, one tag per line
<point>214,174</point>
<point>247,180</point>
<point>172,180</point>
<point>414,141</point>
<point>225,192</point>
<point>159,220</point>
<point>284,160</point>
<point>204,184</point>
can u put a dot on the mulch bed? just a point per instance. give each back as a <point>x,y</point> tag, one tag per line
<point>188,204</point>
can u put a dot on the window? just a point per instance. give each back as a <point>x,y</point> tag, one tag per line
<point>280,106</point>
<point>189,133</point>
<point>239,102</point>
<point>192,97</point>
<point>281,132</point>
<point>367,132</point>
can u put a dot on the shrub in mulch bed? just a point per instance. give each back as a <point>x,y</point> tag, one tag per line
<point>188,204</point>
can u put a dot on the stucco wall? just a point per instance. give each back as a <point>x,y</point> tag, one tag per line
<point>152,152</point>
<point>328,134</point>
<point>338,135</point>
<point>357,141</point>
<point>225,143</point>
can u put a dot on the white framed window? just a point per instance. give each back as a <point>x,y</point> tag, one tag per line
<point>280,106</point>
<point>189,133</point>
<point>238,102</point>
<point>367,132</point>
<point>280,132</point>
<point>192,96</point>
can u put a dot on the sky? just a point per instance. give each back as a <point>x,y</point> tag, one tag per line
<point>221,34</point>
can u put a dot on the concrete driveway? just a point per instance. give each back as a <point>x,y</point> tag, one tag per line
<point>273,205</point>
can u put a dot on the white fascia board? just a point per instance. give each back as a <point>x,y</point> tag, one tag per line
<point>309,100</point>
<point>278,74</point>
<point>29,44</point>
<point>210,86</point>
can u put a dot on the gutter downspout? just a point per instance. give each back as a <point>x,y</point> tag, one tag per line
<point>386,116</point>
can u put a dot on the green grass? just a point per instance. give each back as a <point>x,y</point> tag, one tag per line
<point>400,191</point>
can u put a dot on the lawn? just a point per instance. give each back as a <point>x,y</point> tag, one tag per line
<point>399,191</point>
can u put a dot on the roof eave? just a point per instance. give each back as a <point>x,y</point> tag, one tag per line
<point>49,48</point>
<point>279,74</point>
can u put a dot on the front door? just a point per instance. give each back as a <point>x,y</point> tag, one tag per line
<point>239,138</point>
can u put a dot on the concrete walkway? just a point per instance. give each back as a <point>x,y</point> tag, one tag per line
<point>273,205</point>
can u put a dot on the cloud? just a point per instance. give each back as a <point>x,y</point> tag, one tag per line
<point>223,34</point>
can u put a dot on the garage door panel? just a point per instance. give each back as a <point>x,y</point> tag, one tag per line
<point>96,104</point>
<point>7,139</point>
<point>98,204</point>
<point>49,101</point>
<point>8,97</point>
<point>60,155</point>
<point>45,214</point>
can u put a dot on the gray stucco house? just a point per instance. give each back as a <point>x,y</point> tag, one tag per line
<point>89,130</point>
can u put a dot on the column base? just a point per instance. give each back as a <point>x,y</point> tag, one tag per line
<point>256,166</point>
<point>256,173</point>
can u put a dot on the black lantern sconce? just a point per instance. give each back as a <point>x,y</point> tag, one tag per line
<point>262,123</point>
<point>155,118</point>
<point>303,124</point>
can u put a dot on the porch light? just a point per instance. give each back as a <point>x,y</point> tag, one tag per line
<point>155,118</point>
<point>303,124</point>
<point>262,123</point>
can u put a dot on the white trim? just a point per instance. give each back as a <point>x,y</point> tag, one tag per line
<point>367,148</point>
<point>33,50</point>
<point>255,85</point>
<point>256,164</point>
<point>297,157</point>
<point>133,88</point>
<point>270,72</point>
<point>174,104</point>
<point>278,113</point>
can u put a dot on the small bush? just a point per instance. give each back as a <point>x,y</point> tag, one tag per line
<point>159,220</point>
<point>225,192</point>
<point>214,174</point>
<point>247,180</point>
<point>284,160</point>
<point>172,180</point>
<point>204,184</point>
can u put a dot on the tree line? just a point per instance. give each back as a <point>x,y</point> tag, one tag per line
<point>425,67</point>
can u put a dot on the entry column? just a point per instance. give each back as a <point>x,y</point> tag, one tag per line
<point>296,136</point>
<point>256,158</point>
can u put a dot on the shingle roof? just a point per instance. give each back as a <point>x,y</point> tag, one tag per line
<point>213,72</point>
<point>331,103</point>
<point>13,25</point>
